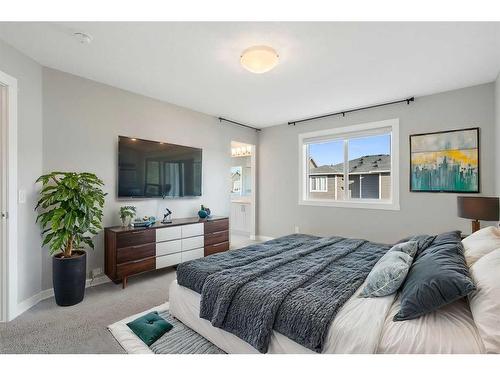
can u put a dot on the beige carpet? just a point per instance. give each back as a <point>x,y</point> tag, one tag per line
<point>48,328</point>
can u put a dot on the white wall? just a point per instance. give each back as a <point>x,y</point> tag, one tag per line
<point>29,79</point>
<point>278,209</point>
<point>82,120</point>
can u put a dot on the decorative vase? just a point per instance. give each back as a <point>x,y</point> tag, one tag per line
<point>126,221</point>
<point>202,214</point>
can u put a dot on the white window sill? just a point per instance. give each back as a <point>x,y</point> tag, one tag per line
<point>366,204</point>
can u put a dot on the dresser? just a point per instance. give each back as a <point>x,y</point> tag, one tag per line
<point>129,251</point>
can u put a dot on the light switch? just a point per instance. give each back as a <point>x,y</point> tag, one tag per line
<point>22,196</point>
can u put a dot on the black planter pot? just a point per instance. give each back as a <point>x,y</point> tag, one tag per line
<point>68,277</point>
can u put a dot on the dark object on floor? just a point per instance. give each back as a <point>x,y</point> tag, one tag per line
<point>150,327</point>
<point>438,276</point>
<point>478,208</point>
<point>68,277</point>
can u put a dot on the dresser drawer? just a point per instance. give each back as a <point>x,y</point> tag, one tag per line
<point>168,260</point>
<point>192,254</point>
<point>137,252</point>
<point>168,234</point>
<point>169,247</point>
<point>216,237</point>
<point>135,237</point>
<point>216,226</point>
<point>192,243</point>
<point>192,230</point>
<point>131,268</point>
<point>217,248</point>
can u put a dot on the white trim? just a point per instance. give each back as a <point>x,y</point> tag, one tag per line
<point>8,257</point>
<point>28,303</point>
<point>371,128</point>
<point>253,208</point>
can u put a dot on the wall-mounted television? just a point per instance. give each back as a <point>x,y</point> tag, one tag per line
<point>149,169</point>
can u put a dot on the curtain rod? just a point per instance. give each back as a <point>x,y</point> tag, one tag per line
<point>239,123</point>
<point>343,113</point>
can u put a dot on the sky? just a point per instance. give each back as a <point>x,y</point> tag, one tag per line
<point>333,152</point>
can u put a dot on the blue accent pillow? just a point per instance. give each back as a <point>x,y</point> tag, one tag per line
<point>390,271</point>
<point>150,327</point>
<point>437,277</point>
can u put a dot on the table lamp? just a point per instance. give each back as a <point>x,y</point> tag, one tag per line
<point>478,208</point>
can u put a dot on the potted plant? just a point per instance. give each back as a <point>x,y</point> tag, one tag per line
<point>127,213</point>
<point>71,205</point>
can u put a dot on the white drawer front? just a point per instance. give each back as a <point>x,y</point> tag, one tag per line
<point>192,230</point>
<point>192,254</point>
<point>167,234</point>
<point>168,260</point>
<point>192,243</point>
<point>169,247</point>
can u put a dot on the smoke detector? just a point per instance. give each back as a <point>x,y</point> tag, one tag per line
<point>83,38</point>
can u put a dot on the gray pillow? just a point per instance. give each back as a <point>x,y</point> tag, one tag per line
<point>437,277</point>
<point>390,271</point>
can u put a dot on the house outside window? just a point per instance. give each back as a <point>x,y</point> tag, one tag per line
<point>354,166</point>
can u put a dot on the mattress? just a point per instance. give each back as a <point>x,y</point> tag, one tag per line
<point>362,325</point>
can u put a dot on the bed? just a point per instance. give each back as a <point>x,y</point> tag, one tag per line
<point>358,325</point>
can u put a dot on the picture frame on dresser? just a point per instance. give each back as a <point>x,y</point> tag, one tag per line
<point>131,251</point>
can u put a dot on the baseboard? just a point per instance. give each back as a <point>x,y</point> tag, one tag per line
<point>263,238</point>
<point>28,303</point>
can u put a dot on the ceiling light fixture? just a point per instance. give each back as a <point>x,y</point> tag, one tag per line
<point>259,59</point>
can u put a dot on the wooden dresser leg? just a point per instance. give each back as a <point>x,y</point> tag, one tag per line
<point>124,282</point>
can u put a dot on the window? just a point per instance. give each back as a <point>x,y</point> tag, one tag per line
<point>318,184</point>
<point>355,166</point>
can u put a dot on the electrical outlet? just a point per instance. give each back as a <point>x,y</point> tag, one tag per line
<point>297,229</point>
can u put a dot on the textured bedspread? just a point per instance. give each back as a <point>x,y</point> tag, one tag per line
<point>295,285</point>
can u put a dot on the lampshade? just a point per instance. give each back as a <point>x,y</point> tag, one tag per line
<point>259,59</point>
<point>478,208</point>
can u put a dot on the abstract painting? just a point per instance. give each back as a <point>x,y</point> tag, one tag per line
<point>445,161</point>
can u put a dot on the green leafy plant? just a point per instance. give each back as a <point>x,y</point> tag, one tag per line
<point>125,212</point>
<point>72,209</point>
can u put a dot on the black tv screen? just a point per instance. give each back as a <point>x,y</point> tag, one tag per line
<point>157,169</point>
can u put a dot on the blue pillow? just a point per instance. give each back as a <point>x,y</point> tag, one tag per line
<point>390,271</point>
<point>437,277</point>
<point>150,327</point>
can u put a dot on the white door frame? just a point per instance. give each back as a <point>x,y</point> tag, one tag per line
<point>8,245</point>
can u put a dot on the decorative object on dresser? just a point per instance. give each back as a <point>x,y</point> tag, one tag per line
<point>478,208</point>
<point>127,213</point>
<point>129,251</point>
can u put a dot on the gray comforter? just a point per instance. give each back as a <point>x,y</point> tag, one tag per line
<point>295,285</point>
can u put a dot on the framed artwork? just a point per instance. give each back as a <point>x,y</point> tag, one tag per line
<point>445,162</point>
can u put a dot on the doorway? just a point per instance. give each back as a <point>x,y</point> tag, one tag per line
<point>243,193</point>
<point>8,197</point>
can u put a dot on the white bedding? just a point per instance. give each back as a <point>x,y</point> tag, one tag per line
<point>362,325</point>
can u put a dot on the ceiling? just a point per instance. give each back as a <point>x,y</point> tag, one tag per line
<point>324,67</point>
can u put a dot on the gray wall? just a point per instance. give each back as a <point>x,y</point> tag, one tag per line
<point>278,209</point>
<point>497,135</point>
<point>82,120</point>
<point>29,79</point>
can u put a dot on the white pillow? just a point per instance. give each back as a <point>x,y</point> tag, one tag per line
<point>485,300</point>
<point>480,243</point>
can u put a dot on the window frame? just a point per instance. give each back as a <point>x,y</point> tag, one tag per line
<point>352,131</point>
